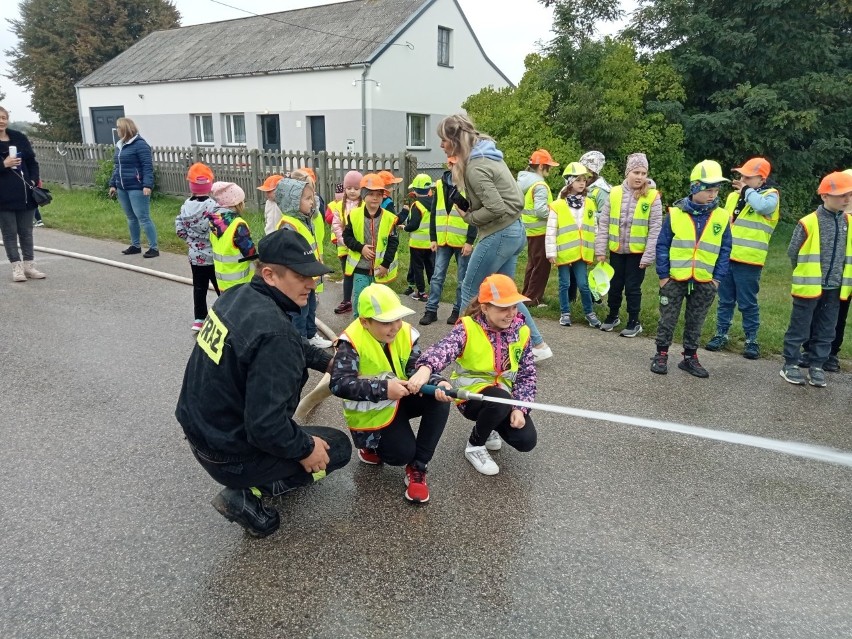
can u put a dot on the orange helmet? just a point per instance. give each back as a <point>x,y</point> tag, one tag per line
<point>389,178</point>
<point>270,183</point>
<point>500,290</point>
<point>373,182</point>
<point>310,172</point>
<point>200,173</point>
<point>755,167</point>
<point>542,156</point>
<point>836,183</point>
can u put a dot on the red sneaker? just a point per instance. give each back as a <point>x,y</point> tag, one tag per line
<point>343,307</point>
<point>415,480</point>
<point>369,456</point>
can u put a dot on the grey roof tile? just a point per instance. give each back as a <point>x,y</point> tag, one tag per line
<point>274,43</point>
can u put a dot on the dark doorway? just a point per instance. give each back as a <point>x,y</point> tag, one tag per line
<point>103,123</point>
<point>270,129</point>
<point>317,132</point>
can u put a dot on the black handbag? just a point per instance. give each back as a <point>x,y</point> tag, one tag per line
<point>41,196</point>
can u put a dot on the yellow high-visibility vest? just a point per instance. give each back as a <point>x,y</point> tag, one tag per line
<point>691,257</point>
<point>638,228</point>
<point>387,222</point>
<point>807,276</point>
<point>451,229</point>
<point>534,226</point>
<point>227,266</point>
<point>339,207</point>
<point>373,362</point>
<point>289,221</point>
<point>751,231</point>
<point>420,237</point>
<point>572,242</point>
<point>477,366</point>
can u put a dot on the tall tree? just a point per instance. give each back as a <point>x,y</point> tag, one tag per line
<point>63,41</point>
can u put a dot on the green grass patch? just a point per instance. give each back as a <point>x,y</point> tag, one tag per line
<point>85,212</point>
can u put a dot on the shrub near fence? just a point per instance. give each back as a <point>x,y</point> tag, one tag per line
<point>74,164</point>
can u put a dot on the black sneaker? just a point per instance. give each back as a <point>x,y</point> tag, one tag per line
<point>660,363</point>
<point>832,364</point>
<point>610,323</point>
<point>453,318</point>
<point>243,507</point>
<point>151,253</point>
<point>751,350</point>
<point>691,365</point>
<point>429,317</point>
<point>408,291</point>
<point>132,250</point>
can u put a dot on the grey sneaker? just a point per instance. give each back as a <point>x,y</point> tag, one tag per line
<point>632,330</point>
<point>593,320</point>
<point>565,319</point>
<point>717,343</point>
<point>610,323</point>
<point>816,377</point>
<point>792,374</point>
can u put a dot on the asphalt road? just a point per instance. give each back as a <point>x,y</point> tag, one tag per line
<point>603,530</point>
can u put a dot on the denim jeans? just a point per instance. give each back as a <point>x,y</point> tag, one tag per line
<point>442,262</point>
<point>360,281</point>
<point>577,272</point>
<point>739,288</point>
<point>305,321</point>
<point>137,208</point>
<point>14,226</point>
<point>497,253</point>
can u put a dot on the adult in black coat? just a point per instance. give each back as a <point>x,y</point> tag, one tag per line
<point>17,207</point>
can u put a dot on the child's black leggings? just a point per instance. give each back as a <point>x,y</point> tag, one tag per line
<point>202,276</point>
<point>490,416</point>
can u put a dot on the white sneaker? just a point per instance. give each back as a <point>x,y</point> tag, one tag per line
<point>494,442</point>
<point>479,457</point>
<point>541,352</point>
<point>319,341</point>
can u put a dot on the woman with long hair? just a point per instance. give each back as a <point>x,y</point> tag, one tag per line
<point>484,190</point>
<point>132,181</point>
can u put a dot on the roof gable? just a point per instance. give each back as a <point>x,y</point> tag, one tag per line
<point>301,39</point>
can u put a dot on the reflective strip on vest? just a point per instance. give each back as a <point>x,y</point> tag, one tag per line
<point>808,275</point>
<point>477,366</point>
<point>387,222</point>
<point>373,363</point>
<point>420,237</point>
<point>534,226</point>
<point>572,244</point>
<point>450,229</point>
<point>751,232</point>
<point>227,266</point>
<point>302,229</point>
<point>339,207</point>
<point>638,227</point>
<point>691,257</point>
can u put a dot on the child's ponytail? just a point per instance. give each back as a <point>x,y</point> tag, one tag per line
<point>473,308</point>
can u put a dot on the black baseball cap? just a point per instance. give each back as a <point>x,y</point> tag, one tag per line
<point>287,248</point>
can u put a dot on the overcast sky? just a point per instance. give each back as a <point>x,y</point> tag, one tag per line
<point>507,36</point>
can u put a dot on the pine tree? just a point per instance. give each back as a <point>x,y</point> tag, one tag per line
<point>63,41</point>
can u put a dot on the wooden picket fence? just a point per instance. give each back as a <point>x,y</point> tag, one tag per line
<point>74,164</point>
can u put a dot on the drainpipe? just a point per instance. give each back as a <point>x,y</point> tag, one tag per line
<point>364,109</point>
<point>80,116</point>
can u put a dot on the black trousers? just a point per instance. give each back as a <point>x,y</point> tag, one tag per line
<point>839,329</point>
<point>274,475</point>
<point>397,444</point>
<point>422,260</point>
<point>202,276</point>
<point>490,416</point>
<point>347,281</point>
<point>815,318</point>
<point>627,279</point>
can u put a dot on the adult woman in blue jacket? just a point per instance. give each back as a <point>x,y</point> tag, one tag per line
<point>19,169</point>
<point>132,180</point>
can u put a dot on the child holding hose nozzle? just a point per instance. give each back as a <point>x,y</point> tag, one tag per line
<point>491,344</point>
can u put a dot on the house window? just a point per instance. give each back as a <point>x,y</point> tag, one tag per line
<point>235,128</point>
<point>444,46</point>
<point>203,128</point>
<point>417,130</point>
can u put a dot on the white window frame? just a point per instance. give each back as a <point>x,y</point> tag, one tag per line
<point>410,142</point>
<point>199,130</point>
<point>231,137</point>
<point>445,41</point>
